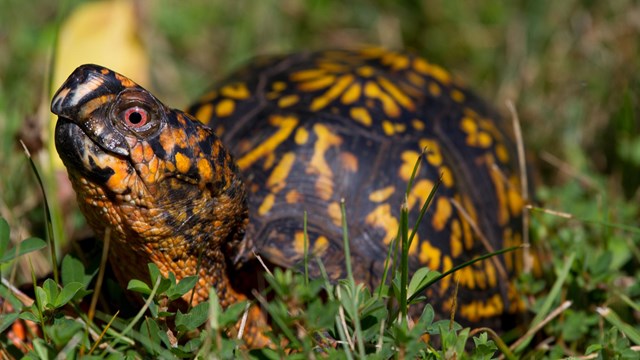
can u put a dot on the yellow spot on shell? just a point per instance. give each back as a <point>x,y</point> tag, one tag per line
<point>279,86</point>
<point>381,217</point>
<point>387,127</point>
<point>267,204</point>
<point>237,91</point>
<point>204,113</point>
<point>490,270</point>
<point>456,238</point>
<point>434,89</point>
<point>396,93</point>
<point>425,68</point>
<point>477,309</point>
<point>447,176</point>
<point>442,214</point>
<point>447,265</point>
<point>415,79</point>
<point>225,107</point>
<point>302,135</point>
<point>500,190</point>
<point>515,199</point>
<point>278,177</point>
<point>317,84</point>
<point>336,89</point>
<point>430,255</point>
<point>321,244</point>
<point>420,192</point>
<point>361,115</point>
<point>335,213</point>
<point>298,242</point>
<point>352,94</point>
<point>325,140</point>
<point>183,163</point>
<point>389,106</point>
<point>502,153</point>
<point>417,124</point>
<point>457,95</point>
<point>286,125</point>
<point>365,71</point>
<point>466,277</point>
<point>409,159</point>
<point>305,75</point>
<point>382,195</point>
<point>288,100</point>
<point>434,156</point>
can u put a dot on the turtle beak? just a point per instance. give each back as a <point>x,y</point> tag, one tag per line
<point>83,100</point>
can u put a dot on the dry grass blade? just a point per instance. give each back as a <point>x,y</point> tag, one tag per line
<point>501,270</point>
<point>101,271</point>
<point>557,311</point>
<point>524,183</point>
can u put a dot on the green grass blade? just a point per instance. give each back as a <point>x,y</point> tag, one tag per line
<point>463,265</point>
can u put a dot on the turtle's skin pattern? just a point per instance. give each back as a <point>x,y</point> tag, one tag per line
<point>292,134</point>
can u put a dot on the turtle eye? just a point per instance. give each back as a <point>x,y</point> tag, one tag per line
<point>135,117</point>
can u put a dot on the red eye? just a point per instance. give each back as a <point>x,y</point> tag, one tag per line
<point>136,117</point>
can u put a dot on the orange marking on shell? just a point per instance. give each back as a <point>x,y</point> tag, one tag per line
<point>361,115</point>
<point>237,91</point>
<point>293,197</point>
<point>183,163</point>
<point>204,170</point>
<point>126,82</point>
<point>332,93</point>
<point>298,242</point>
<point>516,203</point>
<point>285,124</point>
<point>204,113</point>
<point>349,161</point>
<point>335,213</point>
<point>225,107</point>
<point>430,255</point>
<point>278,178</point>
<point>382,195</point>
<point>321,244</point>
<point>442,214</point>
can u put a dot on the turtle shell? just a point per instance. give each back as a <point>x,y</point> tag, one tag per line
<point>314,130</point>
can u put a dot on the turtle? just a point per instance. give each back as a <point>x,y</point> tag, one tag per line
<point>208,190</point>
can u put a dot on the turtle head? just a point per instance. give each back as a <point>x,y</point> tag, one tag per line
<point>160,179</point>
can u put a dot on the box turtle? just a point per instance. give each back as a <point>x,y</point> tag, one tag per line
<point>233,176</point>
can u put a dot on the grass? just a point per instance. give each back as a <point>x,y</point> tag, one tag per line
<point>570,68</point>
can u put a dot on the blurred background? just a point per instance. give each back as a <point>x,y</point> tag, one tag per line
<point>570,67</point>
